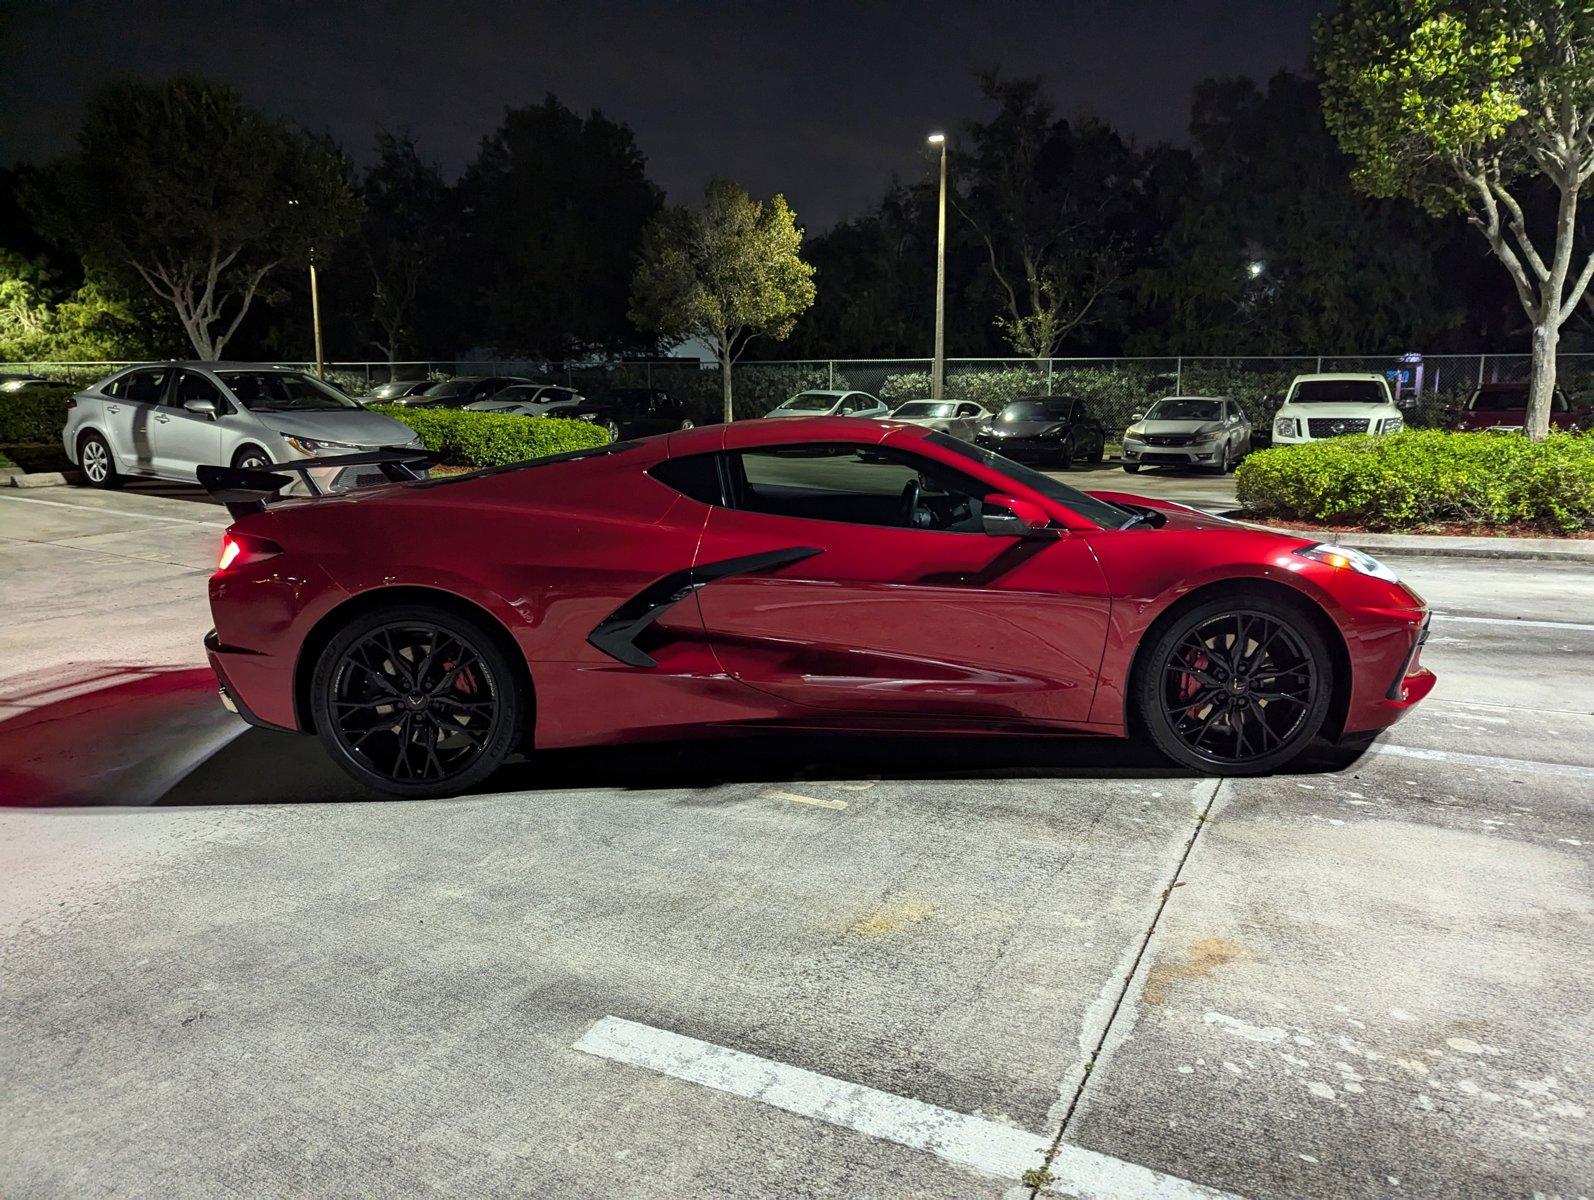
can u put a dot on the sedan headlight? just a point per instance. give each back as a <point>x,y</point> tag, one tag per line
<point>1344,556</point>
<point>586,416</point>
<point>1285,427</point>
<point>1207,438</point>
<point>315,446</point>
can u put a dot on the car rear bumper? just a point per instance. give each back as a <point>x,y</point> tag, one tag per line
<point>242,675</point>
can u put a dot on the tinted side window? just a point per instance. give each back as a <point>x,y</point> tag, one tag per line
<point>144,387</point>
<point>193,386</point>
<point>858,485</point>
<point>696,476</point>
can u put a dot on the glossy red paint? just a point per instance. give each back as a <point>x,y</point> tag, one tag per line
<point>880,627</point>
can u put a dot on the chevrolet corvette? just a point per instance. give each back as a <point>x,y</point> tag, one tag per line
<point>826,574</point>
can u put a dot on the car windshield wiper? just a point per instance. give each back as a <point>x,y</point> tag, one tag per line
<point>1144,516</point>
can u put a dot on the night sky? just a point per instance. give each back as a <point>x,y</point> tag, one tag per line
<point>823,101</point>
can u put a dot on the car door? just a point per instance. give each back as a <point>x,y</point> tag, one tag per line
<point>181,440</point>
<point>130,416</point>
<point>869,614</point>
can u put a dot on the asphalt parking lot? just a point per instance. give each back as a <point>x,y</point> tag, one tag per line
<point>873,967</point>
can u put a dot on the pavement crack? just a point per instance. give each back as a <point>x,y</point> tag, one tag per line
<point>1163,896</point>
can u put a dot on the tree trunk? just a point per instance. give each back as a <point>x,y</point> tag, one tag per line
<point>1541,388</point>
<point>725,379</point>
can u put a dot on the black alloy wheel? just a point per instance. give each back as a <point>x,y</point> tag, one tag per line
<point>1237,686</point>
<point>416,701</point>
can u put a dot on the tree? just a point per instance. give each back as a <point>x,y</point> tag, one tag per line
<point>1468,105</point>
<point>179,185</point>
<point>554,207</point>
<point>402,234</point>
<point>727,273</point>
<point>43,321</point>
<point>1269,248</point>
<point>1049,202</point>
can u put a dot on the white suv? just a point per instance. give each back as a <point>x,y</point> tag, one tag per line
<point>1325,406</point>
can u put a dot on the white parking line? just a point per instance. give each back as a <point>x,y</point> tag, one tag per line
<point>1441,616</point>
<point>111,512</point>
<point>1531,766</point>
<point>796,799</point>
<point>969,1141</point>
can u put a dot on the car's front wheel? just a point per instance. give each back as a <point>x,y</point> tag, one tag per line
<point>612,429</point>
<point>1237,685</point>
<point>416,701</point>
<point>1065,454</point>
<point>252,458</point>
<point>1132,468</point>
<point>98,465</point>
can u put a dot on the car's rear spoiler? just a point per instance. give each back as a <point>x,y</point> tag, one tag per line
<point>245,492</point>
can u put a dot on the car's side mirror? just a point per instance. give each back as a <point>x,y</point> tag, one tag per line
<point>1009,516</point>
<point>1136,416</point>
<point>201,408</point>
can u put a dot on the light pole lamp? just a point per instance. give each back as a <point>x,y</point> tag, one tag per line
<point>938,370</point>
<point>315,308</point>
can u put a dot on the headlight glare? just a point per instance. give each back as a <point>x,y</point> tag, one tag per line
<point>315,446</point>
<point>1344,556</point>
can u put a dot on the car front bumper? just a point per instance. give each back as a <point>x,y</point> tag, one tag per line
<point>1146,454</point>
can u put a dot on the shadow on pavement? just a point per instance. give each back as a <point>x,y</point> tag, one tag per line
<point>132,736</point>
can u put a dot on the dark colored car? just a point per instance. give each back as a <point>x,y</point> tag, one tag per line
<point>396,389</point>
<point>1504,407</point>
<point>460,391</point>
<point>828,574</point>
<point>632,412</point>
<point>1057,430</point>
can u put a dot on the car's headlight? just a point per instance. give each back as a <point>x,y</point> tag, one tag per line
<point>1285,427</point>
<point>315,446</point>
<point>1344,556</point>
<point>1392,425</point>
<point>1134,433</point>
<point>1211,435</point>
<point>586,416</point>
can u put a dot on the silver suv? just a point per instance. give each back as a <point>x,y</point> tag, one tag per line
<point>163,421</point>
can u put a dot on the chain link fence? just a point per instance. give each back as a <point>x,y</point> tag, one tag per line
<point>1426,386</point>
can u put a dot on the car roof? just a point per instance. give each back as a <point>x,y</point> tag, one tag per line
<point>1363,376</point>
<point>744,435</point>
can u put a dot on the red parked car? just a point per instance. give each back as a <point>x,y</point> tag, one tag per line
<point>821,574</point>
<point>1504,407</point>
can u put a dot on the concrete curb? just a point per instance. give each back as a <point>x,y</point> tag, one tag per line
<point>1415,545</point>
<point>34,479</point>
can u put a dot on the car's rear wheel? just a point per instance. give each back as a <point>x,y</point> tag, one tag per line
<point>95,459</point>
<point>688,424</point>
<point>416,701</point>
<point>1237,685</point>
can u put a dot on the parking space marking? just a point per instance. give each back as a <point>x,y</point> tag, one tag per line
<point>796,799</point>
<point>1531,766</point>
<point>1441,616</point>
<point>112,512</point>
<point>987,1146</point>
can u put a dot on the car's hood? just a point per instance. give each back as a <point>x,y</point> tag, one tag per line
<point>925,422</point>
<point>1179,516</point>
<point>1023,428</point>
<point>358,427</point>
<point>1173,428</point>
<point>1354,410</point>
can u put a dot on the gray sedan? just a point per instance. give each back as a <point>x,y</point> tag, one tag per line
<point>1212,432</point>
<point>164,420</point>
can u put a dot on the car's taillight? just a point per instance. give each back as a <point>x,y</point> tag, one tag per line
<point>240,549</point>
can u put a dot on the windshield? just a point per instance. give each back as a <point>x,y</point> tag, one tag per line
<point>926,408</point>
<point>1108,516</point>
<point>283,391</point>
<point>1036,410</point>
<point>1339,391</point>
<point>451,387</point>
<point>1182,409</point>
<point>810,402</point>
<point>1510,400</point>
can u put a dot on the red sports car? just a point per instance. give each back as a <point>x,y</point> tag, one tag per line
<point>824,574</point>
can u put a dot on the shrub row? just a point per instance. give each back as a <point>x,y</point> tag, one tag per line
<point>484,439</point>
<point>35,414</point>
<point>1426,477</point>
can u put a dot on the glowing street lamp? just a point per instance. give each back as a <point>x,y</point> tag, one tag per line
<point>938,371</point>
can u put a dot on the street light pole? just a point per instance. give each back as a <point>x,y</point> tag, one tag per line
<point>315,318</point>
<point>938,371</point>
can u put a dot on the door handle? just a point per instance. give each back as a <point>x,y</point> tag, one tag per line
<point>113,408</point>
<point>162,419</point>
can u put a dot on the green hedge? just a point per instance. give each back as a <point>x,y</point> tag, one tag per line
<point>35,414</point>
<point>1427,477</point>
<point>485,439</point>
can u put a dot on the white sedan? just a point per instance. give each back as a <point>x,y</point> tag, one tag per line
<point>528,400</point>
<point>831,404</point>
<point>960,418</point>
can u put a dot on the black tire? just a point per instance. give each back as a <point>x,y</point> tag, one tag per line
<point>97,463</point>
<point>251,458</point>
<point>1099,451</point>
<point>688,424</point>
<point>1132,468</point>
<point>1185,697</point>
<point>456,709</point>
<point>1224,464</point>
<point>613,430</point>
<point>1065,455</point>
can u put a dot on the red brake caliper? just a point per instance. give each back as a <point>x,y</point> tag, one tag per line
<point>1189,685</point>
